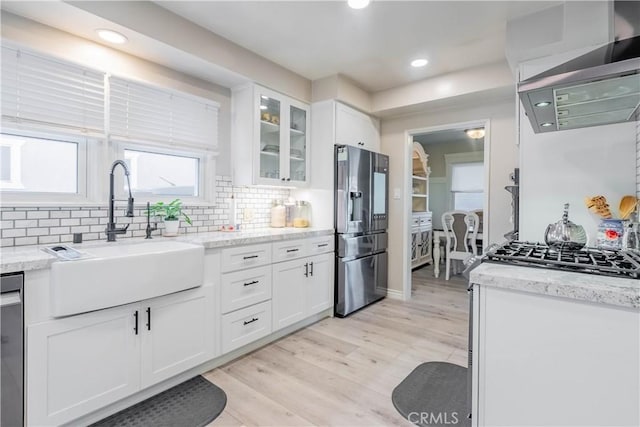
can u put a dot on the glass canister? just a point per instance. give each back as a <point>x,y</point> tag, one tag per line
<point>302,215</point>
<point>610,234</point>
<point>278,214</point>
<point>290,208</point>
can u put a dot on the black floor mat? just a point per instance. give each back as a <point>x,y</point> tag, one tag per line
<point>434,394</point>
<point>193,403</point>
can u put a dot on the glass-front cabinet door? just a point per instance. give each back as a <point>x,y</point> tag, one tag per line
<point>298,169</point>
<point>270,113</point>
<point>283,133</point>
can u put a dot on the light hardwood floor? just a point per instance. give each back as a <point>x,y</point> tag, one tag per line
<point>341,372</point>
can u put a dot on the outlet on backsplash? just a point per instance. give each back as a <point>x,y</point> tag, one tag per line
<point>248,215</point>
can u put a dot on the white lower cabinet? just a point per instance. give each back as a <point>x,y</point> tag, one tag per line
<point>301,288</point>
<point>177,334</point>
<point>245,325</point>
<point>79,364</point>
<point>319,289</point>
<point>289,293</point>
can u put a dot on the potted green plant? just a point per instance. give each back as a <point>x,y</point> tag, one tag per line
<point>170,214</point>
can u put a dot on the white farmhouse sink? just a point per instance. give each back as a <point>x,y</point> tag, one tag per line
<point>120,273</point>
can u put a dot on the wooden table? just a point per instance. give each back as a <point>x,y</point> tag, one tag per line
<point>437,235</point>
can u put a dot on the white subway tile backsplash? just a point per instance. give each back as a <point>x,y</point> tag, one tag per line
<point>37,214</point>
<point>14,232</point>
<point>37,231</point>
<point>59,214</point>
<point>46,240</point>
<point>25,223</point>
<point>59,230</point>
<point>50,225</point>
<point>23,241</point>
<point>14,215</point>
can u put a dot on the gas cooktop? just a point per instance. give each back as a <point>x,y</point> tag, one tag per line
<point>588,260</point>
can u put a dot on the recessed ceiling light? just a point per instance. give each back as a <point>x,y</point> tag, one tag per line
<point>419,62</point>
<point>475,133</point>
<point>358,4</point>
<point>542,104</point>
<point>546,125</point>
<point>111,36</point>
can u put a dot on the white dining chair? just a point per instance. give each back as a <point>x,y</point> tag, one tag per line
<point>461,232</point>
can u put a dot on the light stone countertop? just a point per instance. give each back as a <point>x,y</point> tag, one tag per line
<point>623,292</point>
<point>25,258</point>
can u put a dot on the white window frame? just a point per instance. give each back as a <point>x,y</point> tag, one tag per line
<point>87,187</point>
<point>457,158</point>
<point>96,152</point>
<point>206,172</point>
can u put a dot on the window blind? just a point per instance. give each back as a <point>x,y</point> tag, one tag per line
<point>144,113</point>
<point>38,91</point>
<point>467,177</point>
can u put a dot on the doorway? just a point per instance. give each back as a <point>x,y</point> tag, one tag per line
<point>457,178</point>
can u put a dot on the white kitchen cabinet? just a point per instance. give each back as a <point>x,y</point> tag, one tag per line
<point>319,286</point>
<point>246,287</point>
<point>177,334</point>
<point>246,325</point>
<point>303,286</point>
<point>270,138</point>
<point>545,360</point>
<point>78,364</point>
<point>421,239</point>
<point>289,292</point>
<point>356,128</point>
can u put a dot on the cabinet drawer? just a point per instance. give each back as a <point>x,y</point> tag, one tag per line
<point>245,326</point>
<point>320,245</point>
<point>245,257</point>
<point>244,288</point>
<point>289,249</point>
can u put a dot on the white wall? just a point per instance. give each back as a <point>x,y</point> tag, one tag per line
<point>566,166</point>
<point>502,159</point>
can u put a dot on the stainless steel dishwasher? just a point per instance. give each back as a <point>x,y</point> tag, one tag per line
<point>12,350</point>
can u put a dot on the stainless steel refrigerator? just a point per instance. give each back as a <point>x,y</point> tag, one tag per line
<point>361,207</point>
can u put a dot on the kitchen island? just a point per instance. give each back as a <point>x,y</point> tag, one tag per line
<point>554,347</point>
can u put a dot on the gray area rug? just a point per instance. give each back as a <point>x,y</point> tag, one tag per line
<point>434,394</point>
<point>193,403</point>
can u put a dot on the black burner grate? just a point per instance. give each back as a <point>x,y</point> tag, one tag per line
<point>588,260</point>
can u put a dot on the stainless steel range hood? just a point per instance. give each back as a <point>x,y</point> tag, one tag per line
<point>598,88</point>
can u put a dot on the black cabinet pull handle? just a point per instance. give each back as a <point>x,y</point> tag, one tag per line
<point>323,245</point>
<point>311,272</point>
<point>148,318</point>
<point>288,179</point>
<point>253,282</point>
<point>282,179</point>
<point>246,322</point>
<point>292,250</point>
<point>250,256</point>
<point>306,269</point>
<point>135,327</point>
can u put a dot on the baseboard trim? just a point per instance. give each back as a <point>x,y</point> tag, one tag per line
<point>395,294</point>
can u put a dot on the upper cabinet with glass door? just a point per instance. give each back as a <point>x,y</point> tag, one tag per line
<point>270,139</point>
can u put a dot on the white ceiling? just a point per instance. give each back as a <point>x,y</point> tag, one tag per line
<point>372,46</point>
<point>315,39</point>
